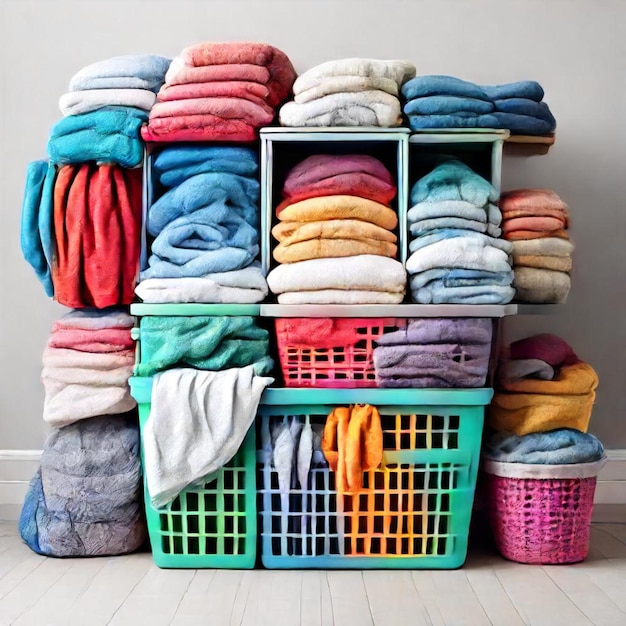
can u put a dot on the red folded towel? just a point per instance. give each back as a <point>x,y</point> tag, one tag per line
<point>198,128</point>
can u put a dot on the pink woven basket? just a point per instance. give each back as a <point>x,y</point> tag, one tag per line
<point>541,520</point>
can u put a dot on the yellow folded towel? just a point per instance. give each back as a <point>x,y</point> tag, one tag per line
<point>329,248</point>
<point>294,232</point>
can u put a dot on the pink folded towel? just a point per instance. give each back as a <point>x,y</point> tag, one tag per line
<point>542,224</point>
<point>99,340</point>
<point>249,90</point>
<point>184,75</point>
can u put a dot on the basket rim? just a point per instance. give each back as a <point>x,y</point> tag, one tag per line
<point>547,472</point>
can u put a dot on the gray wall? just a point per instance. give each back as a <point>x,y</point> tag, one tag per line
<point>575,48</point>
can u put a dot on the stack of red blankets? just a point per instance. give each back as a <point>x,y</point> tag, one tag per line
<point>220,92</point>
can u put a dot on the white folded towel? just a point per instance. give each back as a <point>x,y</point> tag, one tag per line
<point>543,246</point>
<point>347,84</point>
<point>455,208</point>
<point>340,296</point>
<point>76,102</point>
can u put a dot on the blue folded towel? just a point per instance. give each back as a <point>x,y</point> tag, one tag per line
<point>430,238</point>
<point>203,242</point>
<point>436,292</point>
<point>425,227</point>
<point>458,120</point>
<point>524,106</point>
<point>563,446</point>
<point>523,89</point>
<point>523,124</point>
<point>446,105</point>
<point>174,165</point>
<point>216,191</point>
<point>107,135</point>
<point>459,277</point>
<point>133,71</point>
<point>37,228</point>
<point>438,85</point>
<point>453,180</point>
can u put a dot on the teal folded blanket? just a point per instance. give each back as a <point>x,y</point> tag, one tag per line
<point>435,85</point>
<point>529,89</point>
<point>208,343</point>
<point>446,105</point>
<point>107,135</point>
<point>37,229</point>
<point>454,120</point>
<point>172,166</point>
<point>523,124</point>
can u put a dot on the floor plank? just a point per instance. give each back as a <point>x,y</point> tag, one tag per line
<point>349,599</point>
<point>607,543</point>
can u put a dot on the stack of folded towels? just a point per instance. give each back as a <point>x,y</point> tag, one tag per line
<point>535,221</point>
<point>456,255</point>
<point>449,102</point>
<point>336,239</point>
<point>93,447</point>
<point>220,92</point>
<point>348,92</point>
<point>434,353</point>
<point>542,386</point>
<point>206,227</point>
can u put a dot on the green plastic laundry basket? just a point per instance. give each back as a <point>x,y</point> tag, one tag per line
<point>213,525</point>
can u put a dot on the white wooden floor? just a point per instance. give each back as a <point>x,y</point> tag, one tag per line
<point>131,591</point>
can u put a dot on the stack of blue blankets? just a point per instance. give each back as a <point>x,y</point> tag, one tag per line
<point>449,102</point>
<point>454,227</point>
<point>205,227</point>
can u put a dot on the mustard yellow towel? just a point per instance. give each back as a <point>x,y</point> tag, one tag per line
<point>557,263</point>
<point>293,232</point>
<point>331,248</point>
<point>340,207</point>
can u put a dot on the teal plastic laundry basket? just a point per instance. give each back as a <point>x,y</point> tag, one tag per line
<point>412,513</point>
<point>210,526</point>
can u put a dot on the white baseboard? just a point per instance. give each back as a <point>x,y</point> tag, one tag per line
<point>17,467</point>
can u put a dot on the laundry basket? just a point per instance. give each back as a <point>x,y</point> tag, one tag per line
<point>541,513</point>
<point>413,512</point>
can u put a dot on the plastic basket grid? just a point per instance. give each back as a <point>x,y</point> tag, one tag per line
<point>348,365</point>
<point>541,520</point>
<point>412,513</point>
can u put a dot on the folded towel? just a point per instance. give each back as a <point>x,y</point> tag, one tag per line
<point>333,247</point>
<point>133,71</point>
<point>97,222</point>
<point>352,444</point>
<point>80,385</point>
<point>525,368</point>
<point>437,292</point>
<point>542,224</point>
<point>77,102</point>
<point>525,106</point>
<point>226,72</point>
<point>340,296</point>
<point>458,119</point>
<point>455,208</point>
<point>364,272</point>
<point>458,277</point>
<point>543,261</point>
<point>346,83</point>
<point>446,105</point>
<point>108,135</point>
<point>553,247</point>
<point>523,124</point>
<point>541,286</point>
<point>247,90</point>
<point>213,192</point>
<point>522,89</point>
<point>426,227</point>
<point>95,319</point>
<point>289,233</point>
<point>435,85</point>
<point>534,201</point>
<point>98,457</point>
<point>545,346</point>
<point>362,108</point>
<point>443,234</point>
<point>398,71</point>
<point>453,180</point>
<point>563,446</point>
<point>340,208</point>
<point>174,165</point>
<point>211,343</point>
<point>198,128</point>
<point>325,175</point>
<point>434,331</point>
<point>243,286</point>
<point>281,74</point>
<point>213,413</point>
<point>37,225</point>
<point>468,253</point>
<point>440,365</point>
<point>103,340</point>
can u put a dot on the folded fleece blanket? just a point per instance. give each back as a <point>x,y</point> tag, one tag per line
<point>527,107</point>
<point>363,108</point>
<point>214,411</point>
<point>364,272</point>
<point>529,89</point>
<point>108,135</point>
<point>455,277</point>
<point>211,343</point>
<point>194,59</point>
<point>289,233</point>
<point>97,223</point>
<point>325,175</point>
<point>80,385</point>
<point>204,127</point>
<point>545,246</point>
<point>541,286</point>
<point>423,228</point>
<point>525,368</point>
<point>437,292</point>
<point>430,237</point>
<point>547,347</point>
<point>174,165</point>
<point>534,201</point>
<point>247,90</point>
<point>467,253</point>
<point>133,71</point>
<point>340,208</point>
<point>77,102</point>
<point>535,223</point>
<point>434,331</point>
<point>453,180</point>
<point>455,208</point>
<point>458,119</point>
<point>523,124</point>
<point>98,458</point>
<point>340,296</point>
<point>243,286</point>
<point>438,85</point>
<point>332,247</point>
<point>37,224</point>
<point>447,105</point>
<point>542,261</point>
<point>563,446</point>
<point>347,83</point>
